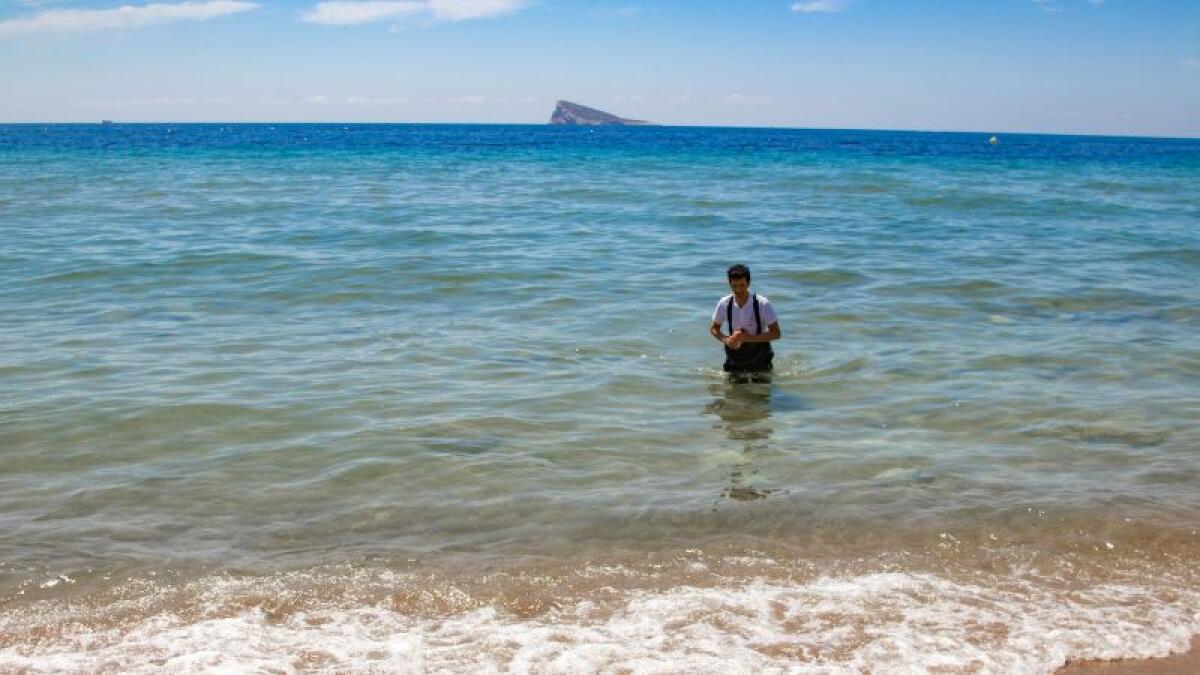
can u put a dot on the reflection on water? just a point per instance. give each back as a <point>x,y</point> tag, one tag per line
<point>744,407</point>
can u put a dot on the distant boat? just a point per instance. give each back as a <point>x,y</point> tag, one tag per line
<point>993,140</point>
<point>105,122</point>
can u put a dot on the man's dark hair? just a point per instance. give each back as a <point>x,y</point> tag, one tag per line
<point>739,272</point>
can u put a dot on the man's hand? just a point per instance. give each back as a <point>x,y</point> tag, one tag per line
<point>734,341</point>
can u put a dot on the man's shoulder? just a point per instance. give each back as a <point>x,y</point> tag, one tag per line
<point>766,306</point>
<point>725,299</point>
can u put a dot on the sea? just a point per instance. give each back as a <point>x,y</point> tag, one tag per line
<point>442,398</point>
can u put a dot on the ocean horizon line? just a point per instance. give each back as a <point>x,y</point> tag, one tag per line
<point>965,132</point>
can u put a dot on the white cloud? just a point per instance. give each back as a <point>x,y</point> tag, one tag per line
<point>373,100</point>
<point>324,101</point>
<point>458,10</point>
<point>1194,62</point>
<point>460,100</point>
<point>354,12</point>
<point>516,100</point>
<point>159,101</point>
<point>126,16</point>
<point>738,100</point>
<point>818,6</point>
<point>339,13</point>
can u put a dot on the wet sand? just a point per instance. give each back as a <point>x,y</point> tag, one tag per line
<point>1176,664</point>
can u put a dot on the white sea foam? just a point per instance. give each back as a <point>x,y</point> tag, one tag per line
<point>884,622</point>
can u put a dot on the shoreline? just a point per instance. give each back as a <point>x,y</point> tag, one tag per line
<point>1176,664</point>
<point>677,608</point>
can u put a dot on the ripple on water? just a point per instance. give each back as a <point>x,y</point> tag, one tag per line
<point>1099,433</point>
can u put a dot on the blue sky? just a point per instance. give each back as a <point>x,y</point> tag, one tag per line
<point>1066,66</point>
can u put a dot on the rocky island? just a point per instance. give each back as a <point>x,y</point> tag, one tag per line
<point>574,114</point>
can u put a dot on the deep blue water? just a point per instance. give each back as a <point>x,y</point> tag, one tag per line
<point>510,139</point>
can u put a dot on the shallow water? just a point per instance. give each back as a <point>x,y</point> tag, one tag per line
<point>424,397</point>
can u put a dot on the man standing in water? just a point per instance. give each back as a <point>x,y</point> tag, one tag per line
<point>752,326</point>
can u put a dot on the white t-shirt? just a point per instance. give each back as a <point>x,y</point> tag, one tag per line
<point>743,317</point>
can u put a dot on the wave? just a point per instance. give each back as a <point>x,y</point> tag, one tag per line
<point>1099,299</point>
<point>823,277</point>
<point>607,618</point>
<point>1183,257</point>
<point>966,288</point>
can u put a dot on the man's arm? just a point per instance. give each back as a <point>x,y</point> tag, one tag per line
<point>773,333</point>
<point>715,331</point>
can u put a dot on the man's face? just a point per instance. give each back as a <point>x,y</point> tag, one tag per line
<point>739,286</point>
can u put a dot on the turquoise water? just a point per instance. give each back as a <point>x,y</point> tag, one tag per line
<point>449,390</point>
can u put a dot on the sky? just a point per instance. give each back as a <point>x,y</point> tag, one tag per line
<point>1129,67</point>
